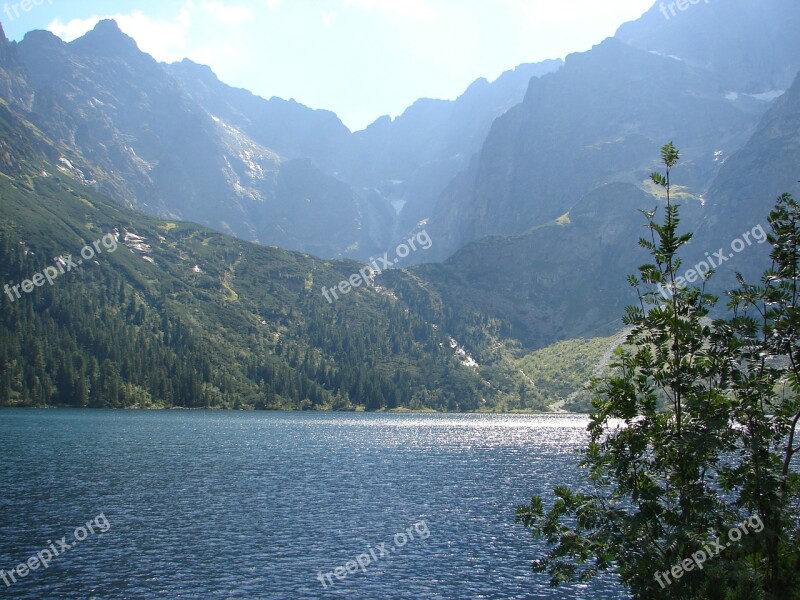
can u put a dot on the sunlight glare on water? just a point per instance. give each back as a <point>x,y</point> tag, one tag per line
<point>258,505</point>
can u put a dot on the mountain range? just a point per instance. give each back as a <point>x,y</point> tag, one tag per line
<point>529,187</point>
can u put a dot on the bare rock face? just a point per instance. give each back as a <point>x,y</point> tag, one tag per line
<point>152,145</point>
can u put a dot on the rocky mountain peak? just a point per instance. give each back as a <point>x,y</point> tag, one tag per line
<point>43,40</point>
<point>107,39</point>
<point>4,44</point>
<point>203,73</point>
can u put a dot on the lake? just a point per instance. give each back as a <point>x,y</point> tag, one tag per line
<point>194,504</point>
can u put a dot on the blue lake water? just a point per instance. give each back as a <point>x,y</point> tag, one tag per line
<point>263,505</point>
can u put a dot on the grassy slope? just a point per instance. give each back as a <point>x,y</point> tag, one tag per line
<point>559,373</point>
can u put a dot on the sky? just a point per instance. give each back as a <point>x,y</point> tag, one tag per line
<point>359,58</point>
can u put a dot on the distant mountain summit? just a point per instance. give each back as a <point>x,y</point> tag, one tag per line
<point>747,44</point>
<point>710,79</point>
<point>410,160</point>
<point>175,141</point>
<point>108,39</point>
<point>285,126</point>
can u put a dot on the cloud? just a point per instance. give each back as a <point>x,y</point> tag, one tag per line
<point>231,14</point>
<point>417,10</point>
<point>165,40</point>
<point>169,39</point>
<point>543,13</point>
<point>216,55</point>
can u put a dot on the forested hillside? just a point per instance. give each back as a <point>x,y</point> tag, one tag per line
<point>178,315</point>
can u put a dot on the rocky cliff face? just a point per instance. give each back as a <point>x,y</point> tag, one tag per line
<point>601,119</point>
<point>129,128</point>
<point>287,127</point>
<point>175,141</point>
<point>597,125</point>
<point>747,45</point>
<point>745,191</point>
<point>14,87</point>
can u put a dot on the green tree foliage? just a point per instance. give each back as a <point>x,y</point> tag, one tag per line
<point>764,335</point>
<point>691,434</point>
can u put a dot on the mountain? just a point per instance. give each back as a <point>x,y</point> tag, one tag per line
<point>598,120</point>
<point>410,160</point>
<point>96,118</point>
<point>747,45</point>
<point>592,131</point>
<point>541,229</point>
<point>167,313</point>
<point>127,127</point>
<point>174,141</point>
<point>530,188</point>
<point>745,191</point>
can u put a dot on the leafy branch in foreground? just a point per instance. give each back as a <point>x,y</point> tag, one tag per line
<point>765,335</point>
<point>688,436</point>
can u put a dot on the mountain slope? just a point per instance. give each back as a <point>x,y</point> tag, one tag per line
<point>411,159</point>
<point>746,189</point>
<point>289,128</point>
<point>749,45</point>
<point>595,121</point>
<point>172,314</point>
<point>563,280</point>
<point>130,129</point>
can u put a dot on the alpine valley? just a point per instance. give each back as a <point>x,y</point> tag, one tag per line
<point>233,212</point>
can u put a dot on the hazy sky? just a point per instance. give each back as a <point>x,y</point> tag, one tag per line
<point>360,58</point>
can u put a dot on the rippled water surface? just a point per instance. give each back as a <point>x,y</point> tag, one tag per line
<point>262,505</point>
